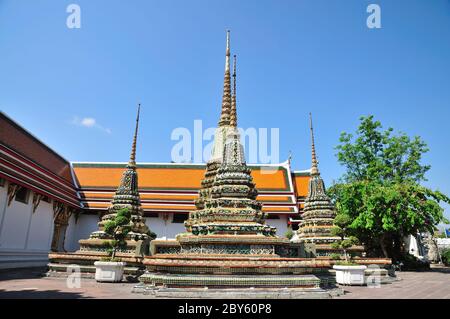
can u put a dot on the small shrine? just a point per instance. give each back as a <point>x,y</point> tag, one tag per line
<point>96,246</point>
<point>318,213</point>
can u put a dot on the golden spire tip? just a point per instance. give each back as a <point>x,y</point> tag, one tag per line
<point>133,146</point>
<point>314,162</point>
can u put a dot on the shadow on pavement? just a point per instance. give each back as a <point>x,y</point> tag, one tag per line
<point>445,270</point>
<point>39,294</point>
<point>22,273</point>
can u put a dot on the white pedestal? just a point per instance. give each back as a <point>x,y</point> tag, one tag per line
<point>349,275</point>
<point>107,271</point>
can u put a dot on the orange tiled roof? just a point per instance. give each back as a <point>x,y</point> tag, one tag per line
<point>172,176</point>
<point>301,180</point>
<point>173,187</point>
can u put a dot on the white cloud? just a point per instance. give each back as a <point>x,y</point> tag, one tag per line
<point>89,122</point>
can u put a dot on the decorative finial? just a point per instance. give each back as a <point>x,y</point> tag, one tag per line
<point>233,115</point>
<point>314,162</point>
<point>289,157</point>
<point>226,97</point>
<point>228,43</point>
<point>132,161</point>
<point>234,75</point>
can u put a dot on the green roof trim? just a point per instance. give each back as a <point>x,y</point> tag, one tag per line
<point>123,165</point>
<point>301,173</point>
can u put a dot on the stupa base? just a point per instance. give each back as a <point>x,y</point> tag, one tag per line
<point>66,264</point>
<point>82,261</point>
<point>225,264</point>
<point>228,281</point>
<point>231,271</point>
<point>131,273</point>
<point>236,293</point>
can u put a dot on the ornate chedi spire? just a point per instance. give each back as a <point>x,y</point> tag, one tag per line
<point>225,116</point>
<point>222,131</point>
<point>132,161</point>
<point>138,238</point>
<point>127,196</point>
<point>227,243</point>
<point>226,96</point>
<point>314,163</point>
<point>228,199</point>
<point>231,208</point>
<point>233,116</point>
<point>319,211</point>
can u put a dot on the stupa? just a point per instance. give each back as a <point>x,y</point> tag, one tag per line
<point>227,243</point>
<point>319,212</point>
<point>96,246</point>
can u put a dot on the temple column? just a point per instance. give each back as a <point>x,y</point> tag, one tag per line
<point>61,216</point>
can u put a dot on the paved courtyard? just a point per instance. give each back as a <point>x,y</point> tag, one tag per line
<point>29,284</point>
<point>434,284</point>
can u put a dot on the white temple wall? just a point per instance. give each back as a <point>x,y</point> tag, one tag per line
<point>416,246</point>
<point>164,226</point>
<point>25,237</point>
<point>81,229</point>
<point>412,245</point>
<point>3,203</point>
<point>71,234</point>
<point>41,228</point>
<point>443,243</point>
<point>14,225</point>
<point>280,224</point>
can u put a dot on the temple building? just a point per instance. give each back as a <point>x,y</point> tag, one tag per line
<point>39,199</point>
<point>226,208</point>
<point>48,203</point>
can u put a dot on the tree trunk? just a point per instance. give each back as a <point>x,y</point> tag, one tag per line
<point>383,245</point>
<point>398,247</point>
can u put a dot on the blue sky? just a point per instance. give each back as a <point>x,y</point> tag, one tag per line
<point>294,57</point>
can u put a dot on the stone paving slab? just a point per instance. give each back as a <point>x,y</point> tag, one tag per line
<point>434,284</point>
<point>30,284</point>
<point>238,293</point>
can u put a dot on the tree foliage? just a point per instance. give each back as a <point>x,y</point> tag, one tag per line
<point>118,228</point>
<point>381,191</point>
<point>376,155</point>
<point>341,228</point>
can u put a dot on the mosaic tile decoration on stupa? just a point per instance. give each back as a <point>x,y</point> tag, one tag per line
<point>318,214</point>
<point>227,242</point>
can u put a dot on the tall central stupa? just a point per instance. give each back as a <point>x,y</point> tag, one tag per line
<point>227,202</point>
<point>227,243</point>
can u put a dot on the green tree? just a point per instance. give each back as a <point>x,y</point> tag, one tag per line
<point>118,228</point>
<point>342,224</point>
<point>289,233</point>
<point>381,191</point>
